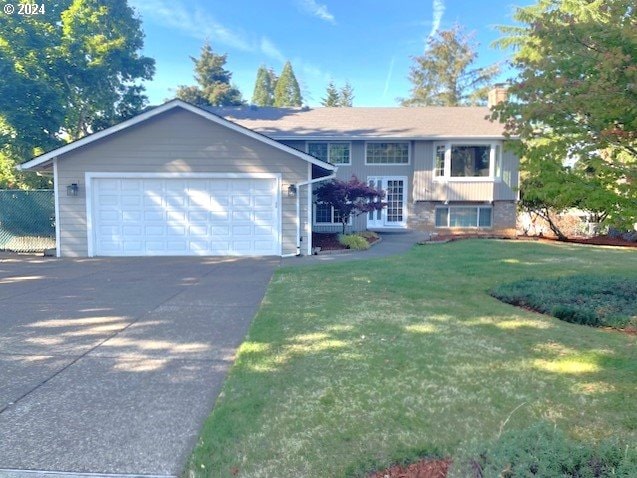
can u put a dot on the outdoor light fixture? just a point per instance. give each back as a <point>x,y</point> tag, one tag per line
<point>72,189</point>
<point>292,190</point>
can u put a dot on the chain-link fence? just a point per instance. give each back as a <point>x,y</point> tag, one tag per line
<point>27,220</point>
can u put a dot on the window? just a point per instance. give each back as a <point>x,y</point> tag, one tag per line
<point>467,161</point>
<point>334,153</point>
<point>325,214</point>
<point>457,160</point>
<point>387,153</point>
<point>439,161</point>
<point>463,216</point>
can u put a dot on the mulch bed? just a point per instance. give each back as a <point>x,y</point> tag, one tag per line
<point>329,241</point>
<point>426,468</point>
<point>592,241</point>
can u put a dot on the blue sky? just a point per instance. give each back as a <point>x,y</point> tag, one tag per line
<point>370,43</point>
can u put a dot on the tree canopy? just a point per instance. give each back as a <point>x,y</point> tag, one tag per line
<point>446,75</point>
<point>350,198</point>
<point>287,91</point>
<point>335,97</point>
<point>575,98</point>
<point>213,86</point>
<point>67,72</point>
<point>263,94</point>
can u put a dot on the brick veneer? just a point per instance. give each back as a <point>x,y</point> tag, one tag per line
<point>422,218</point>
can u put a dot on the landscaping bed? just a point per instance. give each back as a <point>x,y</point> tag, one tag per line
<point>330,242</point>
<point>603,240</point>
<point>596,300</point>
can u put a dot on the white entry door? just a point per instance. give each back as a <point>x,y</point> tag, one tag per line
<point>182,217</point>
<point>395,214</point>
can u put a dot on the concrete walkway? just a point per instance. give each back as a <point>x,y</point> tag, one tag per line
<point>110,366</point>
<point>392,243</point>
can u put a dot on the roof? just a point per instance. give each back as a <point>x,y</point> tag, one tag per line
<point>46,158</point>
<point>430,122</point>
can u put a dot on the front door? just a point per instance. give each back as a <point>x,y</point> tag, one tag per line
<point>395,214</point>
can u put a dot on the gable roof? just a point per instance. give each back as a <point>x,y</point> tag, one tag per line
<point>170,105</point>
<point>429,122</point>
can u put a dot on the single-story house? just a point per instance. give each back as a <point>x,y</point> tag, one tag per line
<point>183,180</point>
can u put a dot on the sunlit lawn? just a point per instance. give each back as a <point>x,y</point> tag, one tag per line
<point>349,367</point>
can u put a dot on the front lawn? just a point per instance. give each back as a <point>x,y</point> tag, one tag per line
<point>353,366</point>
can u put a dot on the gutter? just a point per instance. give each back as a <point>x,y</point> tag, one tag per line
<point>298,206</point>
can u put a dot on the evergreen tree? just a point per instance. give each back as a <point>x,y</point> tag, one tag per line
<point>332,96</point>
<point>445,76</point>
<point>287,91</point>
<point>213,82</point>
<point>264,87</point>
<point>346,95</point>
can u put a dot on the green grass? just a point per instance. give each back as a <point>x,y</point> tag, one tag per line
<point>599,300</point>
<point>352,366</point>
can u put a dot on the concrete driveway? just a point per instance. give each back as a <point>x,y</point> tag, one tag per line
<point>110,366</point>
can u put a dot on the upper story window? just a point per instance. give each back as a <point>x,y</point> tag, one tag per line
<point>466,160</point>
<point>334,153</point>
<point>387,153</point>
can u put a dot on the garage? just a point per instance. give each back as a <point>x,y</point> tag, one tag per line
<point>179,180</point>
<point>151,215</point>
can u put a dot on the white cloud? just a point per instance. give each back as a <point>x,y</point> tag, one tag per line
<point>270,50</point>
<point>192,22</point>
<point>438,12</point>
<point>202,26</point>
<point>316,9</point>
<point>390,72</point>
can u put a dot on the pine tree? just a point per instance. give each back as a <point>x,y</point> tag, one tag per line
<point>332,96</point>
<point>264,87</point>
<point>213,82</point>
<point>287,91</point>
<point>444,76</point>
<point>346,95</point>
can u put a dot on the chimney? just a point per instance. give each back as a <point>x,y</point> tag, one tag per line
<point>497,94</point>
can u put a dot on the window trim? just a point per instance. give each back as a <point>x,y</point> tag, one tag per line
<point>315,223</point>
<point>448,145</point>
<point>348,143</point>
<point>409,147</point>
<point>449,207</point>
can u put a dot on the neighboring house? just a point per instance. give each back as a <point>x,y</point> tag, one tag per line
<point>180,180</point>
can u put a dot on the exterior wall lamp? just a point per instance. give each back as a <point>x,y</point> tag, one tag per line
<point>72,189</point>
<point>292,190</point>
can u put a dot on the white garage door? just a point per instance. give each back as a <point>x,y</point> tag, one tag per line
<point>152,217</point>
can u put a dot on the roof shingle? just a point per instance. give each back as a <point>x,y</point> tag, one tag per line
<point>365,122</point>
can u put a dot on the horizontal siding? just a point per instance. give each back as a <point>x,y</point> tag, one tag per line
<point>175,142</point>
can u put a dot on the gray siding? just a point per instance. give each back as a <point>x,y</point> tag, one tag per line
<point>175,142</point>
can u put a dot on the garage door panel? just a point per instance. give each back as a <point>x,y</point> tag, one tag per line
<point>185,216</point>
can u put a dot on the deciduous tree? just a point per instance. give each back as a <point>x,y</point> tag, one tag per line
<point>350,198</point>
<point>66,72</point>
<point>575,98</point>
<point>446,75</point>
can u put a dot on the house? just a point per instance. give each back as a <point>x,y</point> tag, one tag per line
<point>182,180</point>
<point>444,169</point>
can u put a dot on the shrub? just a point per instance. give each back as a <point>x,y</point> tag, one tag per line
<point>353,241</point>
<point>586,299</point>
<point>369,235</point>
<point>542,450</point>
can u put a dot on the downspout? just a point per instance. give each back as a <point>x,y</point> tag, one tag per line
<point>298,206</point>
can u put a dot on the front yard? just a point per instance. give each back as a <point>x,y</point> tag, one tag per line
<point>352,366</point>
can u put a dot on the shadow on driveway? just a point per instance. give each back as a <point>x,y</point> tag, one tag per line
<point>111,365</point>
